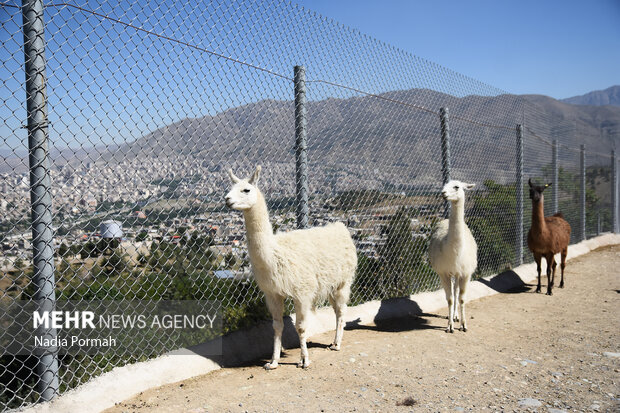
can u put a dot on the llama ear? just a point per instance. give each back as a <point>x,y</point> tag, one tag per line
<point>254,179</point>
<point>548,185</point>
<point>529,181</point>
<point>232,176</point>
<point>468,186</point>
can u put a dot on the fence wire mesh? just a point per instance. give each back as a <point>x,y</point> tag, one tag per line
<point>150,102</point>
<point>598,199</point>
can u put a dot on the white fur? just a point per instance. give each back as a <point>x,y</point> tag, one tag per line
<point>307,265</point>
<point>453,251</point>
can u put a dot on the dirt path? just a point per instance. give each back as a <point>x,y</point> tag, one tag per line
<point>523,351</point>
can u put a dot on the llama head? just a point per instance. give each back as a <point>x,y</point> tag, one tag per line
<point>536,192</point>
<point>454,191</point>
<point>244,193</point>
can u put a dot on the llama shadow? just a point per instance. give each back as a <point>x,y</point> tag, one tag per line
<point>312,344</point>
<point>247,347</point>
<point>390,317</point>
<point>255,342</point>
<point>507,282</point>
<point>524,288</point>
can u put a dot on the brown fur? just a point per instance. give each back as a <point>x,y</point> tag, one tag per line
<point>547,236</point>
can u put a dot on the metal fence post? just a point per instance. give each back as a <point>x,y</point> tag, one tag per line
<point>519,194</point>
<point>614,193</point>
<point>554,166</point>
<point>301,157</point>
<point>445,152</point>
<point>40,190</point>
<point>582,193</point>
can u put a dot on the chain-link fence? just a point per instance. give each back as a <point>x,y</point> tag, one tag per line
<point>112,171</point>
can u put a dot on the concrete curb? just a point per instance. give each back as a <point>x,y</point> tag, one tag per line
<point>241,347</point>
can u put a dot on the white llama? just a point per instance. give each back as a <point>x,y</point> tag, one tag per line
<point>453,252</point>
<point>307,265</point>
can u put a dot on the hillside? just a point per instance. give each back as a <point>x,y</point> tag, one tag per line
<point>609,96</point>
<point>377,132</point>
<point>373,131</point>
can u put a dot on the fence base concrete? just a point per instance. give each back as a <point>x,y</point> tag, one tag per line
<point>244,346</point>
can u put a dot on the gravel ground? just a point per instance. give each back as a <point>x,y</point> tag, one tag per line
<point>523,352</point>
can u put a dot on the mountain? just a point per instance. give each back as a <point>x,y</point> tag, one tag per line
<point>399,129</point>
<point>609,96</point>
<point>369,133</point>
<point>393,137</point>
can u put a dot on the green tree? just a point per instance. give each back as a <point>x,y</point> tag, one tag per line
<point>63,250</point>
<point>142,259</point>
<point>367,282</point>
<point>230,260</point>
<point>492,221</point>
<point>597,177</point>
<point>403,266</point>
<point>200,243</point>
<point>93,249</point>
<point>61,267</point>
<point>113,264</point>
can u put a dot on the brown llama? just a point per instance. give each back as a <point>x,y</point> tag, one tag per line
<point>547,237</point>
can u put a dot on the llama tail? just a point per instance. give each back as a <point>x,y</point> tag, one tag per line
<point>558,214</point>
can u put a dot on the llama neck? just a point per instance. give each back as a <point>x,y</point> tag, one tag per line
<point>259,231</point>
<point>456,229</point>
<point>538,215</point>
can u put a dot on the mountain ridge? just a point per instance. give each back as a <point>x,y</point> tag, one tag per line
<point>609,96</point>
<point>375,131</point>
<point>392,116</point>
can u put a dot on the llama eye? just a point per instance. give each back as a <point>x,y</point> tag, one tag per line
<point>246,191</point>
<point>456,187</point>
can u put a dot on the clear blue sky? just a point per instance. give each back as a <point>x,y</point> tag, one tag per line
<point>559,48</point>
<point>109,83</point>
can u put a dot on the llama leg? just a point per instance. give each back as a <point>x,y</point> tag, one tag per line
<point>339,301</point>
<point>302,311</point>
<point>276,308</point>
<point>550,263</point>
<point>562,265</point>
<point>463,281</point>
<point>554,265</point>
<point>538,259</point>
<point>455,294</point>
<point>446,282</point>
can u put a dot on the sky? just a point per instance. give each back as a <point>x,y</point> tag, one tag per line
<point>558,48</point>
<point>148,64</point>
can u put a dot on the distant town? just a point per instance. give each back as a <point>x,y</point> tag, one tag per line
<point>164,200</point>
